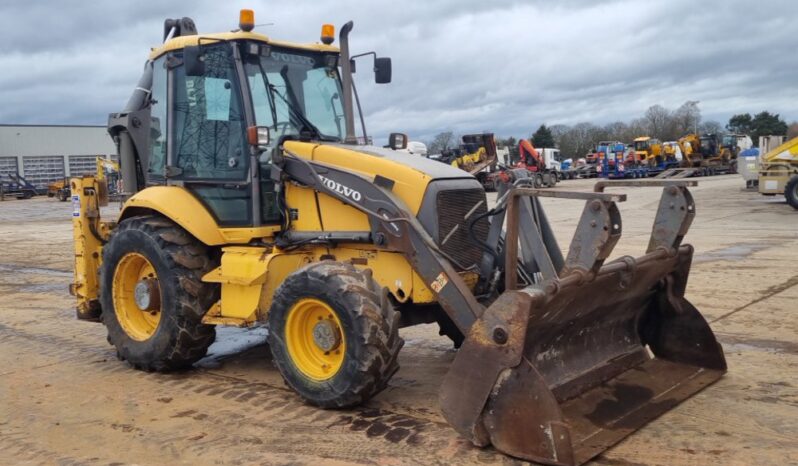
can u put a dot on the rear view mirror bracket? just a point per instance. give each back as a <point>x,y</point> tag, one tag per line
<point>382,67</point>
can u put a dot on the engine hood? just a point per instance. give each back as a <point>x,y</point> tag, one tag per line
<point>411,174</point>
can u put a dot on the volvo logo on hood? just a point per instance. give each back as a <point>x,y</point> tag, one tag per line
<point>333,185</point>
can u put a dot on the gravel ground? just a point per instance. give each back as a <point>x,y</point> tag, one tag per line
<point>66,399</point>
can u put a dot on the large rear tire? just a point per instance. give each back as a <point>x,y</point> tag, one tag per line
<point>152,297</point>
<point>791,192</point>
<point>334,335</point>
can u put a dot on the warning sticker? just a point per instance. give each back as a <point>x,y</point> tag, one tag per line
<point>439,283</point>
<point>76,206</point>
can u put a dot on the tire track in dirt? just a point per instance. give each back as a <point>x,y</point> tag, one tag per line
<point>768,293</point>
<point>17,446</point>
<point>251,404</point>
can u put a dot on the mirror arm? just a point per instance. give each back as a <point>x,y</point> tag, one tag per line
<point>363,55</point>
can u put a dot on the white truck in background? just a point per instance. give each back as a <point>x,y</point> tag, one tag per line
<point>415,148</point>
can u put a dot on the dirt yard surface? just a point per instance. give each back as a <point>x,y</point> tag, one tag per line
<point>66,399</point>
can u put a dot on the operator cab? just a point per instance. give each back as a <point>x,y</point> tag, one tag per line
<point>219,106</point>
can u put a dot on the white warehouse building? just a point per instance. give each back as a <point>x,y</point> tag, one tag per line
<point>46,153</point>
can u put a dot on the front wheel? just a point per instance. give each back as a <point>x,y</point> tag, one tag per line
<point>152,297</point>
<point>334,335</point>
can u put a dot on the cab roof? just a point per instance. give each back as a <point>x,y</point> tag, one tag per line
<point>642,138</point>
<point>181,42</point>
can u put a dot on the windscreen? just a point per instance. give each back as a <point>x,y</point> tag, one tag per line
<point>295,91</point>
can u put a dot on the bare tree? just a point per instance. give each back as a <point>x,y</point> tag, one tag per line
<point>685,120</point>
<point>441,142</point>
<point>710,127</point>
<point>657,118</point>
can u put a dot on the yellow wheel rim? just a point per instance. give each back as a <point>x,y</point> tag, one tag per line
<point>136,296</point>
<point>314,338</point>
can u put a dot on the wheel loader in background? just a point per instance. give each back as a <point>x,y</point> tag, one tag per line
<point>249,202</point>
<point>778,172</point>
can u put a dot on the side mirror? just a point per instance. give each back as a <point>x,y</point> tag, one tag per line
<point>397,141</point>
<point>382,70</point>
<point>193,60</point>
<point>258,136</point>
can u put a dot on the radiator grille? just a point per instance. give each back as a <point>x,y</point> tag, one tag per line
<point>453,207</point>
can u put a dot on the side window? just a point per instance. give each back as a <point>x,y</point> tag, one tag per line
<point>157,120</point>
<point>210,129</point>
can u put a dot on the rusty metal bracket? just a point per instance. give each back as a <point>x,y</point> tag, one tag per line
<point>674,215</point>
<point>598,231</point>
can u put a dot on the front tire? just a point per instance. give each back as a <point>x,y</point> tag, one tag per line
<point>152,297</point>
<point>791,192</point>
<point>334,335</point>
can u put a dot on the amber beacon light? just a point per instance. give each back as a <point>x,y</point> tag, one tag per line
<point>327,33</point>
<point>246,20</point>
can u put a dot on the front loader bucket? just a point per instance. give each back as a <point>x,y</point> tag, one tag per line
<point>557,372</point>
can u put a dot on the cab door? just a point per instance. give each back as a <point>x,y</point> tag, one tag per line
<point>208,152</point>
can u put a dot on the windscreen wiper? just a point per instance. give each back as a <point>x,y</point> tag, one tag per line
<point>299,116</point>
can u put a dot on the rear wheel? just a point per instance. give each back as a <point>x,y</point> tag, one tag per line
<point>791,191</point>
<point>152,297</point>
<point>334,335</point>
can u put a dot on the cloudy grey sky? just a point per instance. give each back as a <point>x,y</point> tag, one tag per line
<point>463,65</point>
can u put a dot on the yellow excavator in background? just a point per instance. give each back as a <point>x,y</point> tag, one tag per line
<point>711,153</point>
<point>250,202</point>
<point>691,150</point>
<point>648,150</point>
<point>778,172</point>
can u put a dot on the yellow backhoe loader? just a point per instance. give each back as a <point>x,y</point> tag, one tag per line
<point>250,202</point>
<point>648,150</point>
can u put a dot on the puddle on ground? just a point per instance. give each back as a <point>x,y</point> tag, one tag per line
<point>231,341</point>
<point>732,253</point>
<point>739,344</point>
